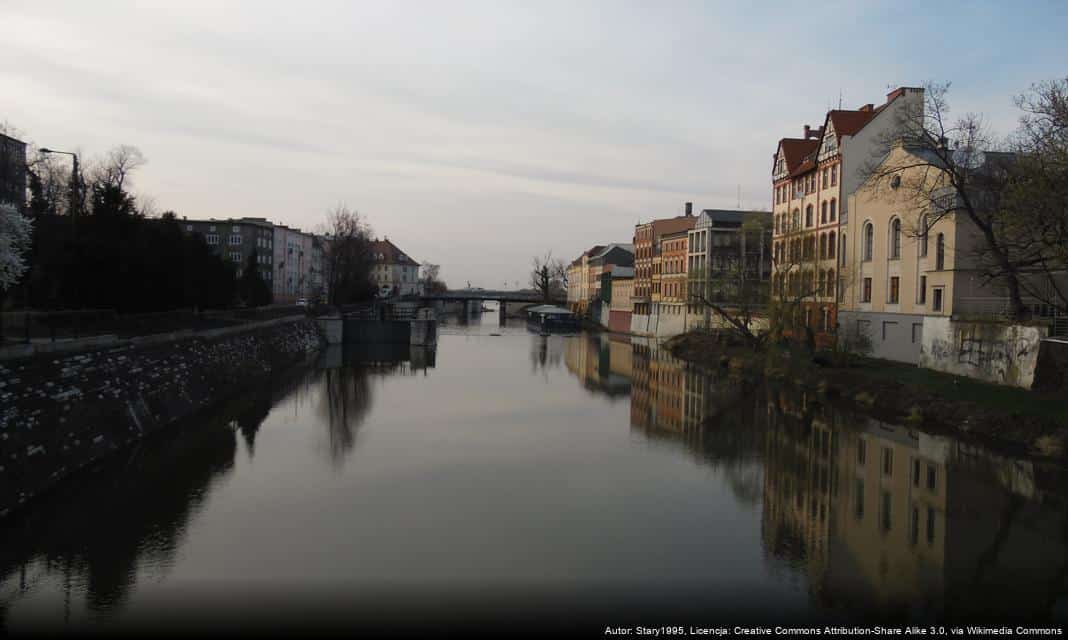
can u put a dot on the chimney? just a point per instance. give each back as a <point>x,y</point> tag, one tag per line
<point>689,209</point>
<point>808,130</point>
<point>893,94</point>
<point>867,107</point>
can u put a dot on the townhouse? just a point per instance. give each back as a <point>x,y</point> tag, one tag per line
<point>646,317</point>
<point>812,178</point>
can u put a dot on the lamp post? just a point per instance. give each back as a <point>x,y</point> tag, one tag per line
<point>75,181</point>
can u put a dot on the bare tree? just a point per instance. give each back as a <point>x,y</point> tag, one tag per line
<point>952,170</point>
<point>430,278</point>
<point>548,276</point>
<point>735,285</point>
<point>116,166</point>
<point>1036,204</point>
<point>347,257</point>
<point>799,284</point>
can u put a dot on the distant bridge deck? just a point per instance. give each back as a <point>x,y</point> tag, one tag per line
<point>487,294</point>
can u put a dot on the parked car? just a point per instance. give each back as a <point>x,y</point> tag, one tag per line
<point>302,302</point>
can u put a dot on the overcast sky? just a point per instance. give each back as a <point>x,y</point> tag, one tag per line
<point>476,135</point>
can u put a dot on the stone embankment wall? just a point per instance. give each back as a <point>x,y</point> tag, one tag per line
<point>1000,353</point>
<point>59,413</point>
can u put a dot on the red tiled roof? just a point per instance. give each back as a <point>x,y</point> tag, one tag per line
<point>795,150</point>
<point>390,253</point>
<point>848,123</point>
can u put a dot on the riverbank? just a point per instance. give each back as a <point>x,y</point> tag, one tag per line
<point>1028,421</point>
<point>63,412</point>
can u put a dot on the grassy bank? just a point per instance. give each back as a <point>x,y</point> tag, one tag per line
<point>902,393</point>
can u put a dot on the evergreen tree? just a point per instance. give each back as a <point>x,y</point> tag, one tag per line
<point>253,288</point>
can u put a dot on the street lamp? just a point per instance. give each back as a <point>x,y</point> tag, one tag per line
<point>75,180</point>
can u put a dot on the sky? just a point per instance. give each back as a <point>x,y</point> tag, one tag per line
<point>476,135</point>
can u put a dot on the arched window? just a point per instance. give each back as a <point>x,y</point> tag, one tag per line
<point>830,283</point>
<point>823,212</point>
<point>808,216</point>
<point>797,220</point>
<point>823,246</point>
<point>869,240</point>
<point>834,209</point>
<point>895,239</point>
<point>940,252</point>
<point>830,245</point>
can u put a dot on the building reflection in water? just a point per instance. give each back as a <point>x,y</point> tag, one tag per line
<point>879,518</point>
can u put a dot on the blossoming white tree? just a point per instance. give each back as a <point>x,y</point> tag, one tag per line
<point>14,242</point>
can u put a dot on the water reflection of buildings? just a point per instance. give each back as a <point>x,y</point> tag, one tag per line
<point>892,520</point>
<point>880,518</point>
<point>601,362</point>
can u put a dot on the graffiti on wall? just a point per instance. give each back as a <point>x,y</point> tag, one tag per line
<point>1002,358</point>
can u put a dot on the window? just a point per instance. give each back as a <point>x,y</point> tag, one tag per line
<point>932,476</point>
<point>823,212</point>
<point>895,290</point>
<point>858,506</point>
<point>915,473</point>
<point>826,177</point>
<point>797,220</point>
<point>923,236</point>
<point>235,229</point>
<point>869,239</point>
<point>862,451</point>
<point>823,246</point>
<point>895,239</point>
<point>235,256</point>
<point>235,239</point>
<point>922,293</point>
<point>834,181</point>
<point>830,283</point>
<point>834,208</point>
<point>808,216</point>
<point>930,525</point>
<point>940,252</point>
<point>886,522</point>
<point>865,295</point>
<point>212,238</point>
<point>888,461</point>
<point>830,245</point>
<point>936,301</point>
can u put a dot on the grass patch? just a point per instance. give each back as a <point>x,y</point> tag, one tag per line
<point>982,394</point>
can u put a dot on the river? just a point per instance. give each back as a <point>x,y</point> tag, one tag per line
<point>508,478</point>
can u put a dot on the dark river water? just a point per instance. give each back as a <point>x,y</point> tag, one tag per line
<point>533,483</point>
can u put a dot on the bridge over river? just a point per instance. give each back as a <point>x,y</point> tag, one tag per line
<point>463,295</point>
<point>467,296</point>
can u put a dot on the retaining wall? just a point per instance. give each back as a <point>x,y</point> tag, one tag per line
<point>1000,353</point>
<point>61,412</point>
